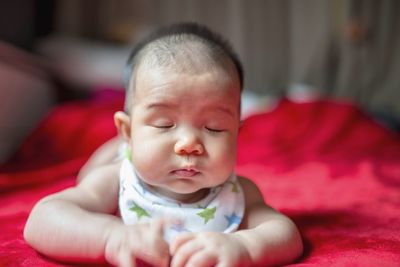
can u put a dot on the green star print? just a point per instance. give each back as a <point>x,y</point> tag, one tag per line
<point>140,212</point>
<point>128,154</point>
<point>234,187</point>
<point>207,214</point>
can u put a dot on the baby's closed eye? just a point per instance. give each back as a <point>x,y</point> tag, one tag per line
<point>162,123</point>
<point>215,129</point>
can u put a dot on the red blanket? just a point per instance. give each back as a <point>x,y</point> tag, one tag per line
<point>326,165</point>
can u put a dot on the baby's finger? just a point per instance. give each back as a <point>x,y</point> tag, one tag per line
<point>203,258</point>
<point>153,257</point>
<point>153,249</point>
<point>179,241</point>
<point>157,226</point>
<point>126,260</point>
<point>160,224</point>
<point>183,254</point>
<point>158,236</point>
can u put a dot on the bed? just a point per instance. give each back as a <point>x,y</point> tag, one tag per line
<point>325,164</point>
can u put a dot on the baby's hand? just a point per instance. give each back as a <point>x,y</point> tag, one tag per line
<point>208,249</point>
<point>128,243</point>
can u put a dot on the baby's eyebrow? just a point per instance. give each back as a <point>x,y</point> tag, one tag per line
<point>210,108</point>
<point>156,105</point>
<point>225,110</point>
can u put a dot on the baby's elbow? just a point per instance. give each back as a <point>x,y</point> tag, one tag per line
<point>34,224</point>
<point>29,229</point>
<point>28,234</point>
<point>298,246</point>
<point>295,248</point>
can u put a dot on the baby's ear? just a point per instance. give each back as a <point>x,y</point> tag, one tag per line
<point>123,123</point>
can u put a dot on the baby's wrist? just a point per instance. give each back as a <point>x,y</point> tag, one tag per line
<point>242,237</point>
<point>113,236</point>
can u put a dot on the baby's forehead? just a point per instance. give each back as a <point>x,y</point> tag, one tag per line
<point>185,60</point>
<point>170,85</point>
<point>155,76</point>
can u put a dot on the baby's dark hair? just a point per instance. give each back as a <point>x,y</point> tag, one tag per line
<point>180,45</point>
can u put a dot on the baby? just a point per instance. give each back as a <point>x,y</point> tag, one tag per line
<point>173,198</point>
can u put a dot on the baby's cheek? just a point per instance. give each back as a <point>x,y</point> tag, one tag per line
<point>148,152</point>
<point>139,151</point>
<point>225,151</point>
<point>225,158</point>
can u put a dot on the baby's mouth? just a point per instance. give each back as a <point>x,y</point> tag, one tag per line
<point>185,173</point>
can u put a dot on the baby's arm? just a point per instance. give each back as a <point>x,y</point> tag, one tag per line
<point>105,154</point>
<point>266,238</point>
<point>270,237</point>
<point>78,225</point>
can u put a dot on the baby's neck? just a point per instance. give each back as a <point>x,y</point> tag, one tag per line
<point>183,198</point>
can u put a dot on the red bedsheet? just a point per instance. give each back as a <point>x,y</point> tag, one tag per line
<point>329,167</point>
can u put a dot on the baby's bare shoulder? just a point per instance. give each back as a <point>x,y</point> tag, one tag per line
<point>251,192</point>
<point>97,192</point>
<point>256,207</point>
<point>107,174</point>
<point>102,182</point>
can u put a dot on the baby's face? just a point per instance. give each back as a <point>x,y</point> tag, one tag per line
<point>184,130</point>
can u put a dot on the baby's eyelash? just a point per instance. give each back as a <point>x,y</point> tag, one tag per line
<point>164,126</point>
<point>214,130</point>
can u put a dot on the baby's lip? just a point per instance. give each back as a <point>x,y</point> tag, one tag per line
<point>186,172</point>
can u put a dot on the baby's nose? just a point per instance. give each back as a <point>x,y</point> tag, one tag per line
<point>189,144</point>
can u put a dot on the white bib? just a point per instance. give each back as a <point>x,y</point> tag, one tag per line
<point>221,210</point>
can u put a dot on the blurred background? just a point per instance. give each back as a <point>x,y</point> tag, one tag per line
<point>51,51</point>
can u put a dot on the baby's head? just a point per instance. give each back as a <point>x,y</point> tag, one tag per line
<point>182,110</point>
<point>186,47</point>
